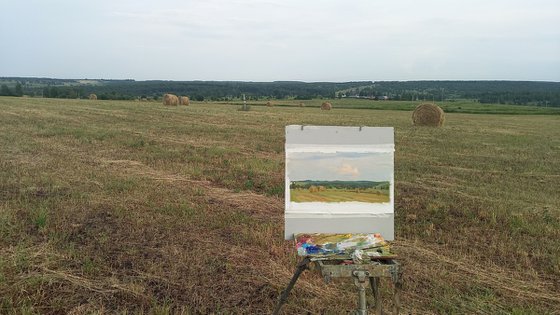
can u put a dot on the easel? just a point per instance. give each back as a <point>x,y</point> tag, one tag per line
<point>332,236</point>
<point>371,271</point>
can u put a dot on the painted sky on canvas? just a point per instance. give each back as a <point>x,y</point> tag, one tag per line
<point>339,166</point>
<point>313,40</point>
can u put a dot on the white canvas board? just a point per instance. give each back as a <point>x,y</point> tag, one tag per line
<point>339,180</point>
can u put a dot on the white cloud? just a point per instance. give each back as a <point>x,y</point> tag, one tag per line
<point>348,170</point>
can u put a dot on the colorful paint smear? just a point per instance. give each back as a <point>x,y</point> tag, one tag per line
<point>318,244</point>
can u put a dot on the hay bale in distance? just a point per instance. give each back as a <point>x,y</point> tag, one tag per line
<point>428,114</point>
<point>92,97</point>
<point>269,104</point>
<point>301,104</point>
<point>326,106</point>
<point>170,99</point>
<point>184,100</point>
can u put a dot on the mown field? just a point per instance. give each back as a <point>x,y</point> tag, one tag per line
<point>131,207</point>
<point>338,195</point>
<point>454,106</point>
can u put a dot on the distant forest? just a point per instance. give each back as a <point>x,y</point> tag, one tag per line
<point>498,92</point>
<point>340,184</point>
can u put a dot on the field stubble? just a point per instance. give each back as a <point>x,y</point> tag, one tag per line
<point>134,207</point>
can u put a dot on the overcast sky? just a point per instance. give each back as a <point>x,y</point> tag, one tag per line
<point>309,40</point>
<point>340,166</point>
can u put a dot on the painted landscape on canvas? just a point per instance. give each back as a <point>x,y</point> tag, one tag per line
<point>339,191</point>
<point>336,177</point>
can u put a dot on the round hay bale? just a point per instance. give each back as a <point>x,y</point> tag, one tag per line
<point>269,104</point>
<point>184,100</point>
<point>326,106</point>
<point>92,96</point>
<point>428,114</point>
<point>170,99</point>
<point>301,104</point>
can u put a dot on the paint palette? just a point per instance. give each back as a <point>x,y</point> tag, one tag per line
<point>342,246</point>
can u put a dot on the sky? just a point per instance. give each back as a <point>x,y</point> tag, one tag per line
<point>347,166</point>
<point>271,40</point>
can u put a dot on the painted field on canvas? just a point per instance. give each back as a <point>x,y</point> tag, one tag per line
<point>339,191</point>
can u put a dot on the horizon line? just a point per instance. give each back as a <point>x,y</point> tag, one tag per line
<point>276,81</point>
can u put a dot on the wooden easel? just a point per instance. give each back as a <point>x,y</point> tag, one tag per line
<point>372,271</point>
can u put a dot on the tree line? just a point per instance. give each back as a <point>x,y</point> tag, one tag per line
<point>498,92</point>
<point>338,184</point>
<point>5,90</point>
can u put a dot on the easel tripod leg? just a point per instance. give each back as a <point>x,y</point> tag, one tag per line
<point>397,297</point>
<point>374,282</point>
<point>362,301</point>
<point>360,280</point>
<point>284,297</point>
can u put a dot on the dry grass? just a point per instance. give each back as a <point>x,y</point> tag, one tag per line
<point>122,207</point>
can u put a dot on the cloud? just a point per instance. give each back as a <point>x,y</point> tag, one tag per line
<point>269,40</point>
<point>347,169</point>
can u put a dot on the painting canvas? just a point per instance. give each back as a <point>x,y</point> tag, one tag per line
<point>340,177</point>
<point>339,180</point>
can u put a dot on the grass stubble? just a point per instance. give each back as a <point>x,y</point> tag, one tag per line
<point>124,207</point>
